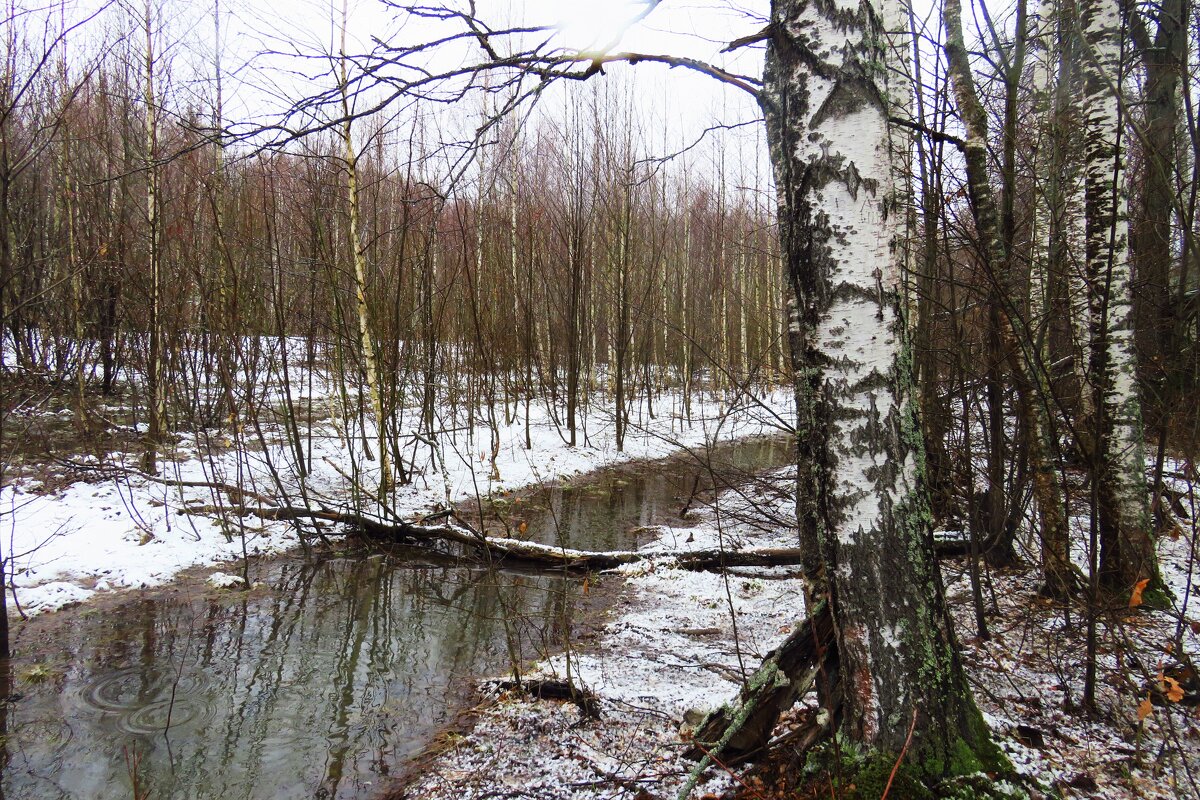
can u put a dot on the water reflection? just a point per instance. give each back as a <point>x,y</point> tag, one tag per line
<point>311,687</point>
<point>599,514</point>
<point>311,690</point>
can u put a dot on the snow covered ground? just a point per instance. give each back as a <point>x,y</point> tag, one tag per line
<point>680,641</point>
<point>87,524</point>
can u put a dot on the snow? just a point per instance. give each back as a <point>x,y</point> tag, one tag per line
<point>221,580</point>
<point>668,652</point>
<point>100,525</point>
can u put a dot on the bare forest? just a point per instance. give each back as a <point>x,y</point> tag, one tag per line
<point>627,398</point>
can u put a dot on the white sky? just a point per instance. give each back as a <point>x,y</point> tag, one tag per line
<point>280,52</point>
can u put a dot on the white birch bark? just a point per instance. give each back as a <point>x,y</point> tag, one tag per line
<point>860,497</point>
<point>1127,548</point>
<point>155,388</point>
<point>359,256</point>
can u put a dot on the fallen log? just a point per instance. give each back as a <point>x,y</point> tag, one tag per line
<point>735,733</point>
<point>548,689</point>
<point>499,550</point>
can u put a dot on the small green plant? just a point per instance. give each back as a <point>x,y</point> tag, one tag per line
<point>38,674</point>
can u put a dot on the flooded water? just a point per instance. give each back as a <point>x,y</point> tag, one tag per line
<point>315,685</point>
<point>605,512</point>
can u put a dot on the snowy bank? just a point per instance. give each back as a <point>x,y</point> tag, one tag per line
<point>98,524</point>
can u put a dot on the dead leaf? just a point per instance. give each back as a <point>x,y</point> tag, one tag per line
<point>524,526</point>
<point>1135,598</point>
<point>1171,688</point>
<point>1145,709</point>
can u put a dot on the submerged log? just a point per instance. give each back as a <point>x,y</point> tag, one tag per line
<point>499,550</point>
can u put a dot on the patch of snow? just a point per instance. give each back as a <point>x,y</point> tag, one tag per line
<point>53,596</point>
<point>114,525</point>
<point>221,580</point>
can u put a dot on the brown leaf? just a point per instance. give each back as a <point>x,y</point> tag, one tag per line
<point>1171,688</point>
<point>1145,709</point>
<point>524,526</point>
<point>1135,598</point>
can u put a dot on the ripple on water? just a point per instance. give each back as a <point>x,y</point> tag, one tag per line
<point>143,699</point>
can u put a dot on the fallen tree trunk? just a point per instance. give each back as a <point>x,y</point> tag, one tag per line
<point>498,549</point>
<point>735,733</point>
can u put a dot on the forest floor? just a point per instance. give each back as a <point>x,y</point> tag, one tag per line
<point>671,644</point>
<point>676,643</point>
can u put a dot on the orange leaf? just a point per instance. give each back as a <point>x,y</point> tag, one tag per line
<point>524,526</point>
<point>585,591</point>
<point>1135,598</point>
<point>1171,688</point>
<point>1145,709</point>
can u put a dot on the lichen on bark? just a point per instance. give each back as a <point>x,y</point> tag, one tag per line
<point>860,489</point>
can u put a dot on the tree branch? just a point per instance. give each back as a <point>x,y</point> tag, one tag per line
<point>937,136</point>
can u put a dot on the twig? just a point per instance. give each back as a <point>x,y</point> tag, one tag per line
<point>907,741</point>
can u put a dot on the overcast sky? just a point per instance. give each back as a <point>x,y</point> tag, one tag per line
<point>274,53</point>
<point>277,55</point>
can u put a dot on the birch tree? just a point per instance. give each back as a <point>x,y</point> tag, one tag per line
<point>861,498</point>
<point>1054,69</point>
<point>878,615</point>
<point>995,230</point>
<point>358,253</point>
<point>1126,543</point>
<point>156,400</point>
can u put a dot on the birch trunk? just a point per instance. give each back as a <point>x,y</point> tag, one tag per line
<point>156,394</point>
<point>1127,546</point>
<point>1045,250</point>
<point>358,253</point>
<point>74,269</point>
<point>1032,388</point>
<point>861,497</point>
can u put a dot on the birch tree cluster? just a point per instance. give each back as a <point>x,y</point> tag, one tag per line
<point>996,201</point>
<point>1055,273</point>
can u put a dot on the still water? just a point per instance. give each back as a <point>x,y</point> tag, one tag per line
<point>321,681</point>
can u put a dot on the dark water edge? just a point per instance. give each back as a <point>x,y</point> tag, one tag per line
<point>324,679</point>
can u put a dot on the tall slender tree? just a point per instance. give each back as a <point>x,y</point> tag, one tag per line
<point>1127,552</point>
<point>861,495</point>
